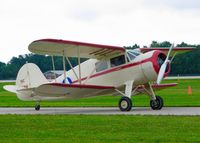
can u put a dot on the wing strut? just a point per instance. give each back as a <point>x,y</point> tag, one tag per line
<point>79,63</point>
<point>88,77</point>
<point>53,64</point>
<point>64,65</point>
<point>71,67</point>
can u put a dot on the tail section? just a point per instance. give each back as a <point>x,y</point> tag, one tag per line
<point>30,76</point>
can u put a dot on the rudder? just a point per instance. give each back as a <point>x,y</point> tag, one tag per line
<point>30,76</point>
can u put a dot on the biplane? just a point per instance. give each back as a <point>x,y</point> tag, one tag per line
<point>109,70</point>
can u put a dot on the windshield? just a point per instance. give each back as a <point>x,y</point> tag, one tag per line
<point>132,54</point>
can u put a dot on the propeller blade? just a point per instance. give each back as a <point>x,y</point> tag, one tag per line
<point>170,49</point>
<point>164,66</point>
<point>161,72</point>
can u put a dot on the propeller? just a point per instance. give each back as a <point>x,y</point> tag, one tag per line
<point>164,66</point>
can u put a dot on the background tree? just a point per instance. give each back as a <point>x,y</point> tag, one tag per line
<point>187,63</point>
<point>162,44</point>
<point>135,46</point>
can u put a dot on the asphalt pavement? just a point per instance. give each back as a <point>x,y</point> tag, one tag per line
<point>191,111</point>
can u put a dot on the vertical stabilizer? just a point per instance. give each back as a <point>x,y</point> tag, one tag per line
<point>30,76</point>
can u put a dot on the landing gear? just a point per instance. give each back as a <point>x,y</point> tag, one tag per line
<point>157,104</point>
<point>37,107</point>
<point>125,104</point>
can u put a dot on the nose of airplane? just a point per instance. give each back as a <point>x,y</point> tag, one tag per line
<point>151,65</point>
<point>158,59</point>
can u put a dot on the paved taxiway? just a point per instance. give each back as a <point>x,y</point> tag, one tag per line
<point>103,111</point>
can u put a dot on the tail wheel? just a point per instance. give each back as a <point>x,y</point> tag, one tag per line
<point>157,104</point>
<point>125,104</point>
<point>37,107</point>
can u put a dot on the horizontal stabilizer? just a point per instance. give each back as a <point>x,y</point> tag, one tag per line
<point>11,88</point>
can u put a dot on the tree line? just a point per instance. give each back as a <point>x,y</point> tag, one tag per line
<point>183,64</point>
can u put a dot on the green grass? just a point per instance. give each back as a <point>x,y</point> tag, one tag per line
<point>99,128</point>
<point>96,129</point>
<point>176,96</point>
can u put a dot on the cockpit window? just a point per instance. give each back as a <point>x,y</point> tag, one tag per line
<point>116,61</point>
<point>132,54</point>
<point>101,65</point>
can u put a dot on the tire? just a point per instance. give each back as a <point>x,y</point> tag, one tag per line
<point>125,104</point>
<point>37,107</point>
<point>157,104</point>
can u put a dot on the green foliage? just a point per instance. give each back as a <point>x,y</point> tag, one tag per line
<point>98,129</point>
<point>183,44</point>
<point>187,64</point>
<point>132,47</point>
<point>162,44</point>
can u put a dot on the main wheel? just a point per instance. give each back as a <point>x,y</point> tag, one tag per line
<point>125,104</point>
<point>37,107</point>
<point>157,104</point>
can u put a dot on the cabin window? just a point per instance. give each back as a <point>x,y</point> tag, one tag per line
<point>101,65</point>
<point>116,61</point>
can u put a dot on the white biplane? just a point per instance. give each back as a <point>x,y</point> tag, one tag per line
<point>109,70</point>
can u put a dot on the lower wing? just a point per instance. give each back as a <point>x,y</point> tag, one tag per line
<point>156,87</point>
<point>71,91</point>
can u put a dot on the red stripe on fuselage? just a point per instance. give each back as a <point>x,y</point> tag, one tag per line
<point>152,59</point>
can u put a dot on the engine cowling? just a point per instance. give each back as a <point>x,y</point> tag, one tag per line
<point>152,64</point>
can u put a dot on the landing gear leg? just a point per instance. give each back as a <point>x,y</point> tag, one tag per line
<point>37,106</point>
<point>125,103</point>
<point>156,102</point>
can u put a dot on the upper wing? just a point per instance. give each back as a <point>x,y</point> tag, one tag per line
<point>73,48</point>
<point>178,50</point>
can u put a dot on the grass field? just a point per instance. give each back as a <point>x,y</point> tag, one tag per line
<point>176,96</point>
<point>103,128</point>
<point>96,129</point>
